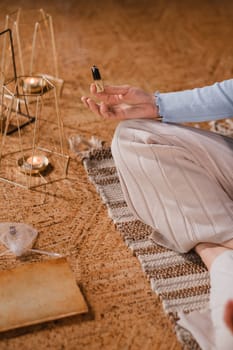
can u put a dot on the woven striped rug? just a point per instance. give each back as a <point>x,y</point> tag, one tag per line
<point>180,280</point>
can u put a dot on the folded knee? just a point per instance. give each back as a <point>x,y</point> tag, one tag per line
<point>122,135</point>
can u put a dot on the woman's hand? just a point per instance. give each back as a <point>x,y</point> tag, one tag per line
<point>122,102</point>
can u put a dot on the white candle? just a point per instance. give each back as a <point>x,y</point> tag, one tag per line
<point>36,162</point>
<point>33,164</point>
<point>33,84</point>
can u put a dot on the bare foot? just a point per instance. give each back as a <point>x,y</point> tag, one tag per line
<point>228,315</point>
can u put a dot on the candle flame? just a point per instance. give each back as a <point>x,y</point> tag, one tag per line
<point>35,161</point>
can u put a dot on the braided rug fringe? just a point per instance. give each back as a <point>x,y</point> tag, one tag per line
<point>223,127</point>
<point>180,280</point>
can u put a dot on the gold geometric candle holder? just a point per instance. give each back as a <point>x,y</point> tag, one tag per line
<point>33,155</point>
<point>34,44</point>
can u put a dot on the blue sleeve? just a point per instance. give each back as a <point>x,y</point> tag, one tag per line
<point>200,104</point>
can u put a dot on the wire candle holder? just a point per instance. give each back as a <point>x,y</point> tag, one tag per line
<point>34,155</point>
<point>31,131</point>
<point>35,50</point>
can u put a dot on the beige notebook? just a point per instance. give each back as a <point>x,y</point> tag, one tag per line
<point>38,292</point>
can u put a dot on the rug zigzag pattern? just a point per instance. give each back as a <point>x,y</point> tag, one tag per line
<point>180,280</point>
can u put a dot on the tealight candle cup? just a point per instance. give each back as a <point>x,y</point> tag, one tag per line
<point>33,85</point>
<point>33,164</point>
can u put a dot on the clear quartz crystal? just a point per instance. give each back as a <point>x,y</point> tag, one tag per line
<point>17,237</point>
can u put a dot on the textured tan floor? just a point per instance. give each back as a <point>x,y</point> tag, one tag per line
<point>158,45</point>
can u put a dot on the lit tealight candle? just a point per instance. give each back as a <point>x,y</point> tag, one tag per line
<point>33,84</point>
<point>33,164</point>
<point>36,162</point>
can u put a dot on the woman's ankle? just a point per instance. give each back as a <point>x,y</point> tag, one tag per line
<point>228,315</point>
<point>209,252</point>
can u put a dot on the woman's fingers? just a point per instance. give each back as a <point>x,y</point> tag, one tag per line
<point>112,94</point>
<point>84,101</point>
<point>101,109</point>
<point>93,89</point>
<point>110,89</point>
<point>94,107</point>
<point>116,90</point>
<point>106,111</point>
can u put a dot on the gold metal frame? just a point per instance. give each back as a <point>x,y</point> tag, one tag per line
<point>29,139</point>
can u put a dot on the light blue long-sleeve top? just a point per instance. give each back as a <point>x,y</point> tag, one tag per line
<point>196,105</point>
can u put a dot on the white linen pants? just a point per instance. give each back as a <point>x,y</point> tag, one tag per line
<point>177,179</point>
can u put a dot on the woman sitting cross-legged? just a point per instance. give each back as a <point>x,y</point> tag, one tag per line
<point>179,179</point>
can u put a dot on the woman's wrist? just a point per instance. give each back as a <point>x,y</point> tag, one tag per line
<point>156,107</point>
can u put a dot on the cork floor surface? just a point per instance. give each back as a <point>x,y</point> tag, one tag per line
<point>158,45</point>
